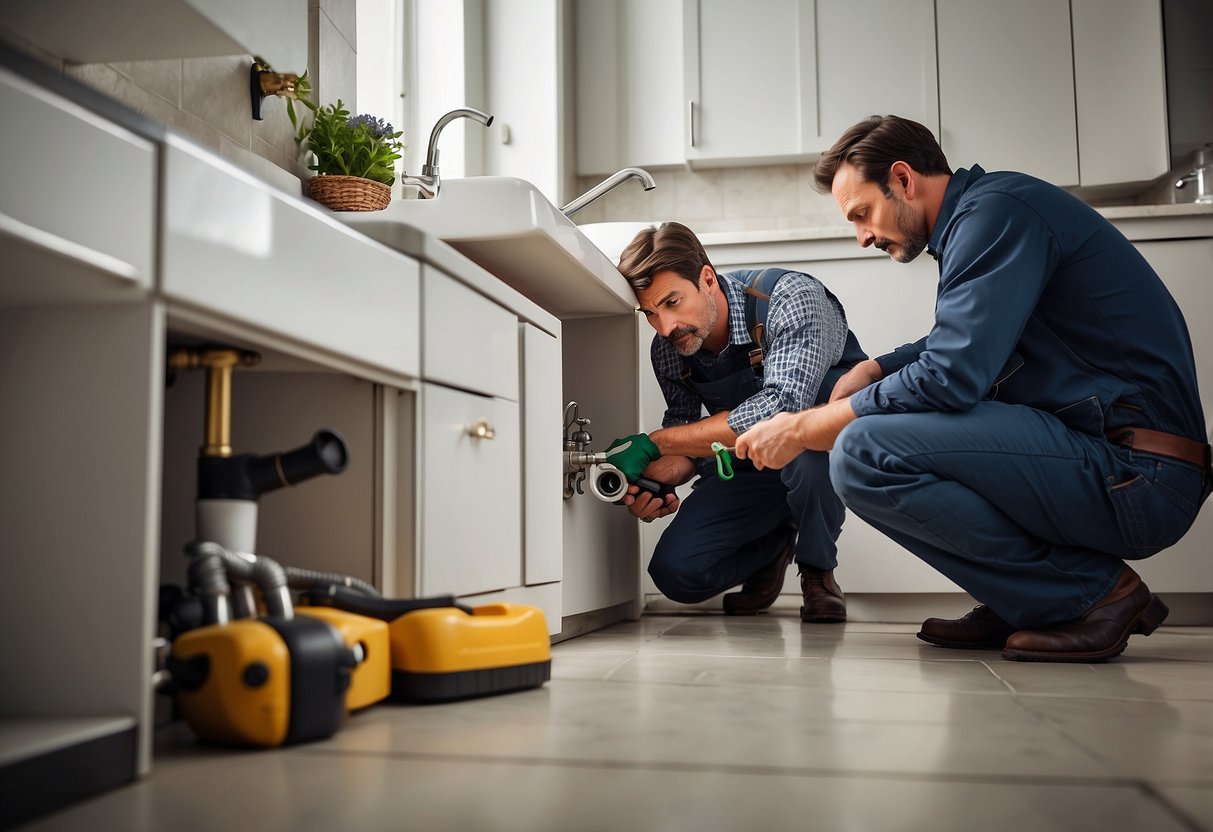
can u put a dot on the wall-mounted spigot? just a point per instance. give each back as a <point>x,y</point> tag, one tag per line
<point>607,482</point>
<point>263,81</point>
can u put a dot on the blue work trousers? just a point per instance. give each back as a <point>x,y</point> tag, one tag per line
<point>725,531</point>
<point>1031,518</point>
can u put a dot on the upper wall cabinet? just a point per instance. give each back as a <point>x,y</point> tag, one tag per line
<point>85,31</point>
<point>748,96</point>
<point>669,82</point>
<point>1071,91</point>
<point>1006,87</point>
<point>858,77</point>
<point>1120,89</point>
<point>630,104</point>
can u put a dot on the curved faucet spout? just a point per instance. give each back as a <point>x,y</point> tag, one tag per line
<point>609,184</point>
<point>429,180</point>
<point>431,153</point>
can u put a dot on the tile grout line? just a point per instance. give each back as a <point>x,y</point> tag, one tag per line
<point>1081,781</point>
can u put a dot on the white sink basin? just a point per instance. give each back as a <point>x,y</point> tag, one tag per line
<point>510,229</point>
<point>611,238</point>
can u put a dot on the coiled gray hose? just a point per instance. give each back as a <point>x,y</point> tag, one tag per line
<point>310,579</point>
<point>211,564</point>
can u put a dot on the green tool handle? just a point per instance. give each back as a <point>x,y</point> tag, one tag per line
<point>724,463</point>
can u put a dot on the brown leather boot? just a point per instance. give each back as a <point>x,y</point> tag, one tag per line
<point>1099,634</point>
<point>763,587</point>
<point>824,602</point>
<point>981,629</point>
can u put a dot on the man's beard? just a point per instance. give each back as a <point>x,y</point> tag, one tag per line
<point>914,229</point>
<point>696,335</point>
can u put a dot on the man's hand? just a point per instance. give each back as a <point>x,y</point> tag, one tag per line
<point>671,470</point>
<point>855,379</point>
<point>647,506</point>
<point>632,454</point>
<point>774,442</point>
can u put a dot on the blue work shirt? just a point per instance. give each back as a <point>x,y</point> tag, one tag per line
<point>1042,302</point>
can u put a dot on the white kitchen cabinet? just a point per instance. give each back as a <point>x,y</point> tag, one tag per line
<point>137,30</point>
<point>1071,91</point>
<point>80,435</point>
<point>477,515</point>
<point>676,81</point>
<point>1120,90</point>
<point>1186,266</point>
<point>469,491</point>
<point>630,104</point>
<point>1006,87</point>
<point>853,77</point>
<point>750,84</point>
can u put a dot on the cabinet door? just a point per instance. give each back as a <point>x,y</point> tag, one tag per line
<point>1006,87</point>
<point>469,493</point>
<point>1185,266</point>
<point>751,79</point>
<point>631,107</point>
<point>1120,89</point>
<point>852,86</point>
<point>542,480</point>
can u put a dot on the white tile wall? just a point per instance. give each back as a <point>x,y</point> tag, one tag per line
<point>730,199</point>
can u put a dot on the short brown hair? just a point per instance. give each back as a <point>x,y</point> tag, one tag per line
<point>874,144</point>
<point>670,246</point>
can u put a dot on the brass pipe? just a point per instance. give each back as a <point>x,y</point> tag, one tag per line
<point>219,363</point>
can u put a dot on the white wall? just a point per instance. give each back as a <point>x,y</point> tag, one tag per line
<point>447,68</point>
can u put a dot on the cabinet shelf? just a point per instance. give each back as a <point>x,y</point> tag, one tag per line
<point>46,762</point>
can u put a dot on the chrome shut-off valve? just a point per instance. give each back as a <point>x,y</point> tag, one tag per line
<point>607,482</point>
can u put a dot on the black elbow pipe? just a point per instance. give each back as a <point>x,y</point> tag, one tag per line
<point>248,476</point>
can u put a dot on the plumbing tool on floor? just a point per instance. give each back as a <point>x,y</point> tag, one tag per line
<point>442,650</point>
<point>275,680</point>
<point>607,482</point>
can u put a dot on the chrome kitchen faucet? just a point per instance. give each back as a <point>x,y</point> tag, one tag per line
<point>429,181</point>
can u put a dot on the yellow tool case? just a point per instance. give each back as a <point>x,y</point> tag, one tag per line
<point>442,650</point>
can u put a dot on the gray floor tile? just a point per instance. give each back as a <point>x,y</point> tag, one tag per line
<point>1159,740</point>
<point>1129,677</point>
<point>658,724</point>
<point>288,791</point>
<point>702,722</point>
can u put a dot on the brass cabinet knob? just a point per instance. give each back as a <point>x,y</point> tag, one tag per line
<point>482,430</point>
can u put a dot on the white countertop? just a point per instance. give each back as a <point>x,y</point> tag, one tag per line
<point>837,231</point>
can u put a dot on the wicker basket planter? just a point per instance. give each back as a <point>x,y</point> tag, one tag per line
<point>349,193</point>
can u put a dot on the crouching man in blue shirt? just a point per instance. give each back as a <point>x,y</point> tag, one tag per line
<point>1047,429</point>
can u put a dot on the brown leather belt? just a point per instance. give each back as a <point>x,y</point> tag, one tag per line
<point>1163,444</point>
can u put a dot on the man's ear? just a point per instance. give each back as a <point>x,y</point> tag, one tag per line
<point>707,276</point>
<point>904,175</point>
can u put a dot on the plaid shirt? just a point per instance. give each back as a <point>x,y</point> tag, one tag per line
<point>804,336</point>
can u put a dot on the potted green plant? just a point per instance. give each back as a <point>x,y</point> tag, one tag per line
<point>353,156</point>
